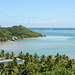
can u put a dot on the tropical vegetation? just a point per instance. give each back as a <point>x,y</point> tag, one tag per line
<point>17,31</point>
<point>37,65</point>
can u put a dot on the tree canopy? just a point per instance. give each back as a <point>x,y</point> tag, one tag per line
<point>17,31</point>
<point>36,65</point>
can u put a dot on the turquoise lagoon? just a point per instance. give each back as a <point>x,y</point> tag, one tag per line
<point>56,41</point>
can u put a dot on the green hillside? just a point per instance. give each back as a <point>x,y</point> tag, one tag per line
<point>17,31</point>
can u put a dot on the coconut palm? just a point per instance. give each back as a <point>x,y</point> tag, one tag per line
<point>7,56</point>
<point>15,61</point>
<point>57,55</point>
<point>69,64</point>
<point>21,55</point>
<point>49,58</point>
<point>12,55</point>
<point>36,58</point>
<point>2,53</point>
<point>31,58</point>
<point>42,58</point>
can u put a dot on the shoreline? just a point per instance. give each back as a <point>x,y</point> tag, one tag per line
<point>21,39</point>
<point>6,42</point>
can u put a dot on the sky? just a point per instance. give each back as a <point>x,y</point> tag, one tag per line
<point>38,13</point>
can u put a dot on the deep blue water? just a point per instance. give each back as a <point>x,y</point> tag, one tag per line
<point>56,41</point>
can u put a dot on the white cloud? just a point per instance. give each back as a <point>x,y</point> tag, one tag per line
<point>53,21</point>
<point>44,22</point>
<point>36,22</point>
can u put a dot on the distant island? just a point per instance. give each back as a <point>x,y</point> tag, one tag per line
<point>51,28</point>
<point>16,32</point>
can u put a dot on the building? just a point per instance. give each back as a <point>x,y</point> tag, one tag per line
<point>19,61</point>
<point>14,38</point>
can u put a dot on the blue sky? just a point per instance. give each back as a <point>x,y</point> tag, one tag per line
<point>38,13</point>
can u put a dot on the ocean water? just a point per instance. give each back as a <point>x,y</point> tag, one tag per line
<point>56,41</point>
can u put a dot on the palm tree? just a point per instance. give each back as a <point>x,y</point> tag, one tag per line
<point>1,65</point>
<point>69,64</point>
<point>10,68</point>
<point>2,53</point>
<point>36,58</point>
<point>31,58</point>
<point>21,55</point>
<point>30,68</point>
<point>57,60</point>
<point>50,62</point>
<point>42,58</point>
<point>67,58</point>
<point>3,71</point>
<point>15,61</point>
<point>24,72</point>
<point>20,68</point>
<point>63,56</point>
<point>7,56</point>
<point>2,68</point>
<point>27,57</point>
<point>49,58</point>
<point>57,55</point>
<point>27,54</point>
<point>12,55</point>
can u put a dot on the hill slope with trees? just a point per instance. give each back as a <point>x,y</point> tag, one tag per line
<point>17,31</point>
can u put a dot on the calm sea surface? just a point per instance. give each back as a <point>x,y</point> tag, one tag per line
<point>56,41</point>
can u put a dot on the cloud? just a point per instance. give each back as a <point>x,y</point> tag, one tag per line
<point>44,22</point>
<point>35,22</point>
<point>38,22</point>
<point>53,21</point>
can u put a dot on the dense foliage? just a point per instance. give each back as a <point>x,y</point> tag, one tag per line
<point>35,65</point>
<point>17,31</point>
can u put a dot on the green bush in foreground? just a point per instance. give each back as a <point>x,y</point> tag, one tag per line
<point>60,72</point>
<point>35,65</point>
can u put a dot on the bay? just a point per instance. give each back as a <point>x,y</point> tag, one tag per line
<point>56,41</point>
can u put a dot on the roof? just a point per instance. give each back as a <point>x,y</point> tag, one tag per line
<point>9,60</point>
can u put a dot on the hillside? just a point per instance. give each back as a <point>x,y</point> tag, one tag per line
<point>17,31</point>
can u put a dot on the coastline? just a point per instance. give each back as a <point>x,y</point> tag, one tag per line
<point>21,39</point>
<point>6,42</point>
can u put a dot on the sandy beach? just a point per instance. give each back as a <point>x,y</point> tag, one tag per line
<point>6,42</point>
<point>20,39</point>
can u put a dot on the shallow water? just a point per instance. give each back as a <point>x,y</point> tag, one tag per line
<point>56,41</point>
